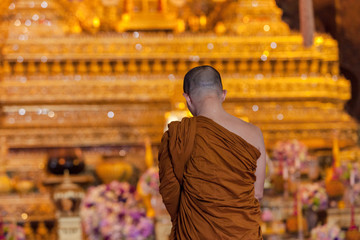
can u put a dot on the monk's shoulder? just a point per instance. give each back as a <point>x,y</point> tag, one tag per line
<point>181,128</point>
<point>173,124</point>
<point>254,129</point>
<point>183,121</point>
<point>246,126</point>
<point>252,132</point>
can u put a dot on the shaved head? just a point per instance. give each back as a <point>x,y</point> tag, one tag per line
<point>202,78</point>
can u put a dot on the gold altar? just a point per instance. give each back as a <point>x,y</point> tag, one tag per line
<point>89,89</point>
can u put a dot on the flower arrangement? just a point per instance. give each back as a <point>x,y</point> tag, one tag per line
<point>111,212</point>
<point>349,171</point>
<point>345,174</point>
<point>290,152</point>
<point>12,232</point>
<point>326,232</point>
<point>149,182</point>
<point>313,196</point>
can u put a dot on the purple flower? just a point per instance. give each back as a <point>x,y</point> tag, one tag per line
<point>89,205</point>
<point>121,199</point>
<point>136,215</point>
<point>112,212</point>
<point>147,227</point>
<point>121,216</point>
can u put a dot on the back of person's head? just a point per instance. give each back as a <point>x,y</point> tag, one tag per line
<point>202,79</point>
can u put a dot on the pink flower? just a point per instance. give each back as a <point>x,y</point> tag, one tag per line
<point>112,212</point>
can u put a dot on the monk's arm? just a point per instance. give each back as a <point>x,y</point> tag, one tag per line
<point>260,169</point>
<point>169,185</point>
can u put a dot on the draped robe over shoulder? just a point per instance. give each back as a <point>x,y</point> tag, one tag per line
<point>207,176</point>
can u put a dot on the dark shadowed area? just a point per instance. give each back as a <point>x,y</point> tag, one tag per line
<point>340,19</point>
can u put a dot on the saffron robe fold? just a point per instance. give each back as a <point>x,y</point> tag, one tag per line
<point>207,176</point>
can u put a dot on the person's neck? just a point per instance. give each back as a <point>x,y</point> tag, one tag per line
<point>210,108</point>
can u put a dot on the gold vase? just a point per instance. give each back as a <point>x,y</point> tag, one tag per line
<point>5,183</point>
<point>24,186</point>
<point>335,188</point>
<point>114,169</point>
<point>292,224</point>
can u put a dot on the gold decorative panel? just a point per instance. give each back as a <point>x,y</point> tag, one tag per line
<point>100,79</point>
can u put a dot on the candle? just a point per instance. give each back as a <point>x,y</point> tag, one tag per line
<point>352,177</point>
<point>285,172</point>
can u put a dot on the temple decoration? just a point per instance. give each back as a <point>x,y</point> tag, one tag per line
<point>335,188</point>
<point>261,17</point>
<point>147,180</point>
<point>108,74</point>
<point>150,17</point>
<point>61,160</point>
<point>91,90</point>
<point>68,197</point>
<point>28,209</point>
<point>28,19</point>
<point>5,182</point>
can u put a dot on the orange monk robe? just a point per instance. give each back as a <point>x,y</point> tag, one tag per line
<point>213,196</point>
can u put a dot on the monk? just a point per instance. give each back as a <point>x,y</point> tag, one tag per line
<point>212,167</point>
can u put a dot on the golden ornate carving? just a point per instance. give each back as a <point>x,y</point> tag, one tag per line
<point>91,136</point>
<point>331,89</point>
<point>81,84</point>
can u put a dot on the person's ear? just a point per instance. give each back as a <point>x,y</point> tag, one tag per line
<point>187,97</point>
<point>190,104</point>
<point>223,95</point>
